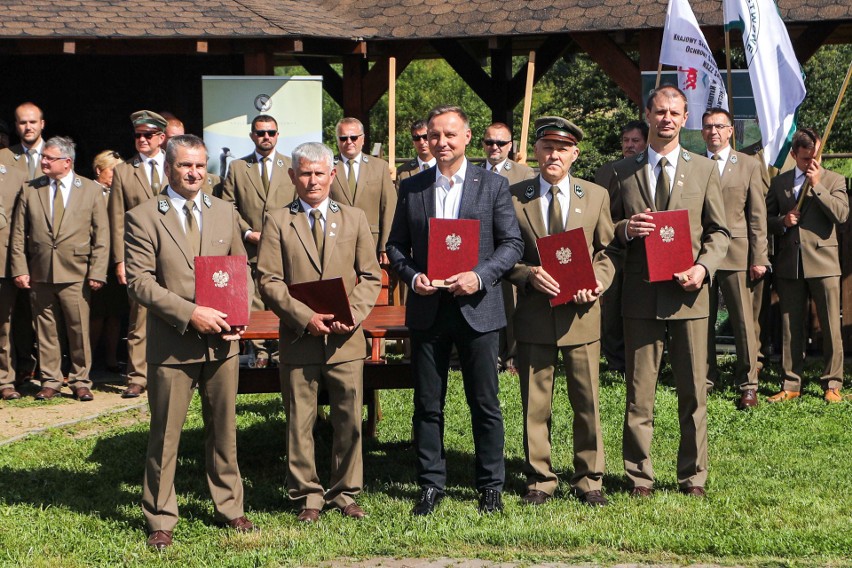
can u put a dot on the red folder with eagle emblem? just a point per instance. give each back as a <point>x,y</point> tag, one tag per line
<point>669,248</point>
<point>453,248</point>
<point>221,283</point>
<point>565,256</point>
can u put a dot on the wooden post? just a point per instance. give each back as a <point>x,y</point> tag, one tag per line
<point>392,116</point>
<point>730,83</point>
<point>521,156</point>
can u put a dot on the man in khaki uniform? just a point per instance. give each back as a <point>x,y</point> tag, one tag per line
<point>317,239</point>
<point>133,182</point>
<point>667,177</point>
<point>547,205</point>
<point>743,191</point>
<point>497,144</point>
<point>257,184</point>
<point>11,181</point>
<point>364,182</point>
<point>807,262</point>
<point>60,249</point>
<point>424,159</point>
<point>188,344</point>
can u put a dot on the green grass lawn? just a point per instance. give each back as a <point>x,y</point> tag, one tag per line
<point>778,492</point>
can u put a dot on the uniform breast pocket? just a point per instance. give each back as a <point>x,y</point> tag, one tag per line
<point>219,247</point>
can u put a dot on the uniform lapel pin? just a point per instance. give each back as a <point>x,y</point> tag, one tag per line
<point>206,199</point>
<point>579,191</point>
<point>163,205</point>
<point>530,191</point>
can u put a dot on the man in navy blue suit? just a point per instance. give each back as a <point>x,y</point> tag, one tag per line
<point>468,314</point>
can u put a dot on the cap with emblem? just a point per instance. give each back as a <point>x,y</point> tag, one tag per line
<point>148,118</point>
<point>557,128</point>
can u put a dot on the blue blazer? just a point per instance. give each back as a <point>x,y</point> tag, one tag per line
<point>486,197</point>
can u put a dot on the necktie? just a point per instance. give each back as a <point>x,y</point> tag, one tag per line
<point>351,177</point>
<point>716,157</point>
<point>424,167</point>
<point>319,234</point>
<point>58,208</point>
<point>661,194</point>
<point>554,212</point>
<point>193,235</point>
<point>155,177</point>
<point>31,162</point>
<point>263,177</point>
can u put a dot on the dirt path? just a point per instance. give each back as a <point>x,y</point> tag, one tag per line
<point>20,418</point>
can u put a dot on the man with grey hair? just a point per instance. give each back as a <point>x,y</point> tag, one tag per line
<point>188,345</point>
<point>364,182</point>
<point>315,238</point>
<point>60,247</point>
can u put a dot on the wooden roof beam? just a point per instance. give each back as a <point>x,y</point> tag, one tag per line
<point>332,82</point>
<point>812,38</point>
<point>376,81</point>
<point>613,61</point>
<point>468,68</point>
<point>545,56</point>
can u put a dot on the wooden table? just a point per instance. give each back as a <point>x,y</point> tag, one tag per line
<point>384,322</point>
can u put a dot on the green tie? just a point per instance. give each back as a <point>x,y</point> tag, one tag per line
<point>351,177</point>
<point>319,234</point>
<point>155,177</point>
<point>554,212</point>
<point>58,208</point>
<point>193,235</point>
<point>661,194</point>
<point>263,177</point>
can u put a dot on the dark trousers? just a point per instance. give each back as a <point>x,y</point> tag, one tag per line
<point>430,357</point>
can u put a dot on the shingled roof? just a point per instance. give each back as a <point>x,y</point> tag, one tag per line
<point>363,19</point>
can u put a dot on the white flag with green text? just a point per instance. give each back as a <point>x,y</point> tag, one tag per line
<point>776,77</point>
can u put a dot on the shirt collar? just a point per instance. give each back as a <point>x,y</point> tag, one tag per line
<point>498,167</point>
<point>260,158</point>
<point>564,185</point>
<point>458,177</point>
<point>179,200</point>
<point>356,159</point>
<point>654,156</point>
<point>38,147</point>
<point>65,181</point>
<point>724,153</point>
<point>323,207</point>
<point>429,164</point>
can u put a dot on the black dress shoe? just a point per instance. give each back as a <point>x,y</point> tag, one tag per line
<point>429,499</point>
<point>490,501</point>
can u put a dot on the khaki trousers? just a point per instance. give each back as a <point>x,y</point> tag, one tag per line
<point>299,388</point>
<point>536,368</point>
<point>170,390</point>
<point>738,299</point>
<point>793,296</point>
<point>52,305</point>
<point>644,340</point>
<point>8,293</point>
<point>137,330</point>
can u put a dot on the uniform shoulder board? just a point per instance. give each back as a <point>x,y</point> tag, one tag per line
<point>529,192</point>
<point>685,155</point>
<point>42,181</point>
<point>17,157</point>
<point>733,158</point>
<point>280,163</point>
<point>579,191</point>
<point>333,206</point>
<point>206,199</point>
<point>508,166</point>
<point>2,169</point>
<point>413,163</point>
<point>294,207</point>
<point>336,160</point>
<point>366,158</point>
<point>78,182</point>
<point>640,157</point>
<point>163,205</point>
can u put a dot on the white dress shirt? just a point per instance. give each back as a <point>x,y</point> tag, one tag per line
<point>178,202</point>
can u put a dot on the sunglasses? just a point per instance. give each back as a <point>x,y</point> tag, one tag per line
<point>262,133</point>
<point>419,137</point>
<point>352,138</point>
<point>498,143</point>
<point>145,135</point>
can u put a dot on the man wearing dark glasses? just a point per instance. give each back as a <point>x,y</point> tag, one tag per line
<point>255,184</point>
<point>424,159</point>
<point>133,182</point>
<point>364,182</point>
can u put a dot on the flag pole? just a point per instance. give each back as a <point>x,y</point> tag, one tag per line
<point>521,155</point>
<point>730,83</point>
<point>659,74</point>
<point>806,186</point>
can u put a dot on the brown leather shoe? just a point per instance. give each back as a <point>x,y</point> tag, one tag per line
<point>133,391</point>
<point>241,524</point>
<point>748,399</point>
<point>353,511</point>
<point>696,491</point>
<point>46,393</point>
<point>833,395</point>
<point>593,498</point>
<point>83,394</point>
<point>783,395</point>
<point>160,540</point>
<point>309,515</point>
<point>535,497</point>
<point>640,492</point>
<point>10,394</point>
